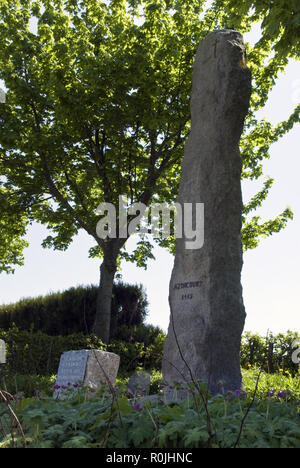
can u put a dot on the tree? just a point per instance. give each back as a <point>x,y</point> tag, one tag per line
<point>98,105</point>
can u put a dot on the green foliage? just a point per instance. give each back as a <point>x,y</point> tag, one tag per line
<point>139,347</point>
<point>37,353</point>
<point>281,382</point>
<point>12,229</point>
<point>279,41</point>
<point>272,402</point>
<point>103,103</point>
<point>27,386</point>
<point>138,354</point>
<point>280,21</point>
<point>271,353</point>
<point>129,309</point>
<point>73,311</point>
<point>100,422</point>
<point>98,105</point>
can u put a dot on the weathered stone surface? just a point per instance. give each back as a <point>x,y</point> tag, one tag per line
<point>2,352</point>
<point>93,368</point>
<point>207,311</point>
<point>102,369</point>
<point>139,383</point>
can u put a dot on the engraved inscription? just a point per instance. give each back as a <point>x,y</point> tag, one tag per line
<point>192,284</point>
<point>189,284</point>
<point>185,297</point>
<point>72,368</point>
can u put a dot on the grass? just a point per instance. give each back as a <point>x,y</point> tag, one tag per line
<point>27,385</point>
<point>279,383</point>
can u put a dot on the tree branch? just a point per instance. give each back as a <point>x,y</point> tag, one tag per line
<point>153,173</point>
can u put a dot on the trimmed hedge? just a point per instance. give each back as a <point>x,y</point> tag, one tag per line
<point>38,353</point>
<point>32,352</point>
<point>73,311</point>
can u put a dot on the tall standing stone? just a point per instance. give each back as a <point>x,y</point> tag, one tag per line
<point>207,310</point>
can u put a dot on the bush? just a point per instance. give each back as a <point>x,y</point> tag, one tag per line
<point>270,353</point>
<point>37,353</point>
<point>73,311</point>
<point>27,386</point>
<point>32,352</point>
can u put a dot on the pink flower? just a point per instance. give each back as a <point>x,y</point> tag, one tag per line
<point>137,406</point>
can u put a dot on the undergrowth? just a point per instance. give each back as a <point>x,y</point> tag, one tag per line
<point>265,415</point>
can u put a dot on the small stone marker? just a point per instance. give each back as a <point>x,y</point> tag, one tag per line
<point>2,352</point>
<point>207,310</point>
<point>91,368</point>
<point>139,384</point>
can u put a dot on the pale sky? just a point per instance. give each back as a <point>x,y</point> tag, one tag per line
<point>270,274</point>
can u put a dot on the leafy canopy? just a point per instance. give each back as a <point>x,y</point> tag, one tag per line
<point>98,105</point>
<point>12,230</point>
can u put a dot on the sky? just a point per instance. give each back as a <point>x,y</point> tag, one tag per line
<point>270,275</point>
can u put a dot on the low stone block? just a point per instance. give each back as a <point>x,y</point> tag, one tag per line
<point>91,368</point>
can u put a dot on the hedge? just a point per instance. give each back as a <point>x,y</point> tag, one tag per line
<point>32,352</point>
<point>73,311</point>
<point>39,353</point>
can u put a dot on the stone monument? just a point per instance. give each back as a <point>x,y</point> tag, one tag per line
<point>207,311</point>
<point>91,368</point>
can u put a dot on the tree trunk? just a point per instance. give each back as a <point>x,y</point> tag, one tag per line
<point>101,326</point>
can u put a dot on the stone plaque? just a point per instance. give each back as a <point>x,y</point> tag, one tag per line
<point>2,352</point>
<point>91,368</point>
<point>71,371</point>
<point>207,310</point>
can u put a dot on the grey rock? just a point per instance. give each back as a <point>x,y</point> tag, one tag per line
<point>139,383</point>
<point>91,368</point>
<point>207,310</point>
<point>2,352</point>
